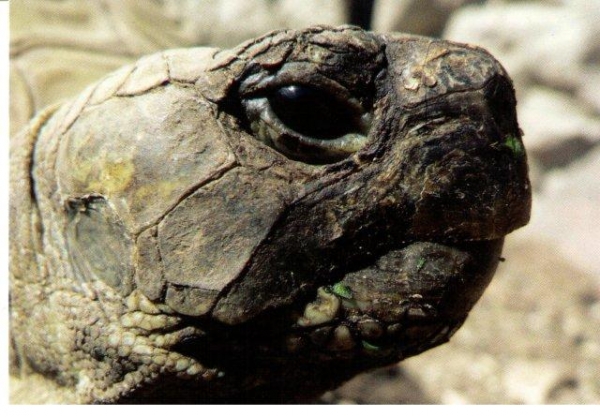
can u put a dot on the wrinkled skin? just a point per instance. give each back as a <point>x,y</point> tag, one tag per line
<point>183,232</point>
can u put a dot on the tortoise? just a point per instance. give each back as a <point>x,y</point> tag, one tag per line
<point>260,224</point>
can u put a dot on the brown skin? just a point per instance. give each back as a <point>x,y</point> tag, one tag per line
<point>186,231</point>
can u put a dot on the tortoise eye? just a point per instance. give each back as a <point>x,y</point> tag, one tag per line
<point>310,124</point>
<point>314,113</point>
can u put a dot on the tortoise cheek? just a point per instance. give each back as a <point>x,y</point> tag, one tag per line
<point>99,245</point>
<point>207,241</point>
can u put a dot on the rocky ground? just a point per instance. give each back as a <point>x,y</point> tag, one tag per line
<point>534,338</point>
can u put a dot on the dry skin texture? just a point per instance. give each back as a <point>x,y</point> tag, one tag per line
<point>260,224</point>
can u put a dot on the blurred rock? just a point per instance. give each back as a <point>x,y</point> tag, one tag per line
<point>531,382</point>
<point>391,385</point>
<point>422,17</point>
<point>589,91</point>
<point>567,209</point>
<point>552,43</point>
<point>558,129</point>
<point>130,27</point>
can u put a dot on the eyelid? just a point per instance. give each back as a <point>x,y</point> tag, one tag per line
<point>261,83</point>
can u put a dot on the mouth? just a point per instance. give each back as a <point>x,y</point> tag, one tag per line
<point>337,326</point>
<point>410,300</point>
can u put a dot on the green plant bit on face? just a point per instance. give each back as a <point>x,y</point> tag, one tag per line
<point>514,145</point>
<point>342,290</point>
<point>369,346</point>
<point>420,264</point>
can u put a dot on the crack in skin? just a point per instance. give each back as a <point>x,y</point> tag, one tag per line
<point>219,174</point>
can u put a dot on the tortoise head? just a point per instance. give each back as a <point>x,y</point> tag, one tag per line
<point>312,203</point>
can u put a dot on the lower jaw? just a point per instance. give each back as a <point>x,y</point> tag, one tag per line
<point>306,364</point>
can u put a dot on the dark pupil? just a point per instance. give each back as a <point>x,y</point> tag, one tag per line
<point>312,112</point>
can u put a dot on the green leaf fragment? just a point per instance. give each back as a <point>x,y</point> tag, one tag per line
<point>369,346</point>
<point>342,290</point>
<point>514,145</point>
<point>420,263</point>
